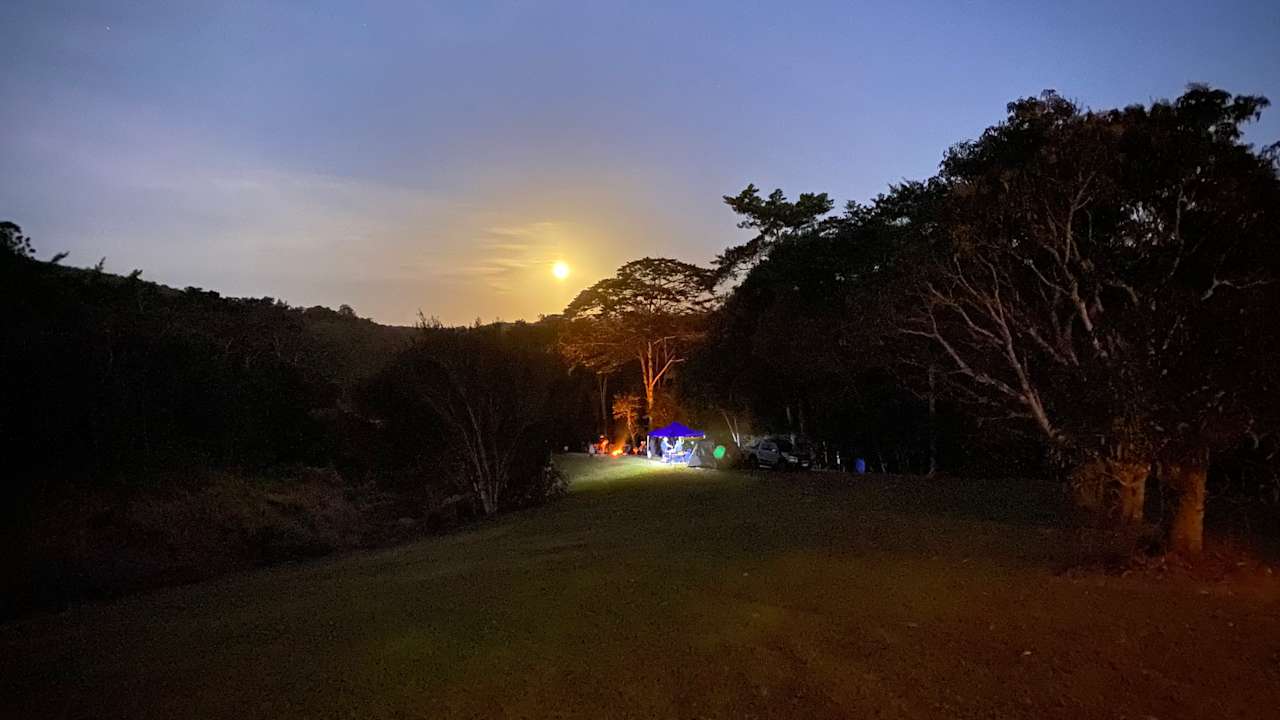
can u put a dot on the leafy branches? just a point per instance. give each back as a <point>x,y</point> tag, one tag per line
<point>650,313</point>
<point>774,218</point>
<point>489,392</point>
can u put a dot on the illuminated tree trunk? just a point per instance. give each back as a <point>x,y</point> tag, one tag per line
<point>1187,480</point>
<point>732,424</point>
<point>656,359</point>
<point>1131,479</point>
<point>1112,488</point>
<point>933,421</point>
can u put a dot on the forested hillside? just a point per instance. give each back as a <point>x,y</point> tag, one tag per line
<point>154,434</point>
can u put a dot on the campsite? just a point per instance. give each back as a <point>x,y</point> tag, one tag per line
<point>600,359</point>
<point>660,591</point>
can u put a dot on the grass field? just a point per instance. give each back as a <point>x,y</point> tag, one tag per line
<point>676,593</point>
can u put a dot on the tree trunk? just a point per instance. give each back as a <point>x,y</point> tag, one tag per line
<point>933,423</point>
<point>604,402</point>
<point>732,424</point>
<point>1131,478</point>
<point>1088,488</point>
<point>488,503</point>
<point>1111,488</point>
<point>1187,480</point>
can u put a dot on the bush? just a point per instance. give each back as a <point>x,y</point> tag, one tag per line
<point>546,483</point>
<point>105,542</point>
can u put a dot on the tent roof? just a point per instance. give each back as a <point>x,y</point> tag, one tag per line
<point>676,430</point>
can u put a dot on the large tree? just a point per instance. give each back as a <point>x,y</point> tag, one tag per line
<point>649,313</point>
<point>1098,280</point>
<point>806,342</point>
<point>486,390</point>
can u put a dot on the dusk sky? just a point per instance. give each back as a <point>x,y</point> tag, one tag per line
<point>399,156</point>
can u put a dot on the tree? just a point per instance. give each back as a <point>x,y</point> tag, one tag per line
<point>626,409</point>
<point>346,310</point>
<point>1014,298</point>
<point>13,242</point>
<point>805,341</point>
<point>1076,287</point>
<point>489,390</point>
<point>650,313</point>
<point>1208,207</point>
<point>774,218</point>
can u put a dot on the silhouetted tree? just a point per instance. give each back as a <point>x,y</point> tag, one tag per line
<point>13,242</point>
<point>490,392</point>
<point>650,313</point>
<point>773,218</point>
<point>1079,286</point>
<point>806,341</point>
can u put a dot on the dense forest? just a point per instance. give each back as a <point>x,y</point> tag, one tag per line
<point>1078,295</point>
<point>271,432</point>
<point>1081,298</point>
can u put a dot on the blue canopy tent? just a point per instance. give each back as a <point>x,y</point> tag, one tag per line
<point>669,442</point>
<point>676,430</point>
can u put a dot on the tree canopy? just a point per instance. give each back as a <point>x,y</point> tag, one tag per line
<point>13,242</point>
<point>649,313</point>
<point>773,218</point>
<point>1100,280</point>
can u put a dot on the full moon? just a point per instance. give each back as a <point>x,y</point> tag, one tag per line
<point>560,269</point>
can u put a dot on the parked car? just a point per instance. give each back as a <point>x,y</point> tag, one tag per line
<point>777,451</point>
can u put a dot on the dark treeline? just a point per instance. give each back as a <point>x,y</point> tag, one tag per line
<point>1090,291</point>
<point>1086,295</point>
<point>106,377</point>
<point>278,431</point>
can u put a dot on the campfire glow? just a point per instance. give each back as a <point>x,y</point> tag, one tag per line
<point>616,452</point>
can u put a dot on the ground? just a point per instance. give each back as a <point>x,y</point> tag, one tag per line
<point>677,593</point>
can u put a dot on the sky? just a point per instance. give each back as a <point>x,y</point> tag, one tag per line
<point>440,157</point>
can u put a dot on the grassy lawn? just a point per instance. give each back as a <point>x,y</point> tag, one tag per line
<point>656,592</point>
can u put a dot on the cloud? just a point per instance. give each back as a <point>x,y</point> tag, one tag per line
<point>508,247</point>
<point>189,208</point>
<point>502,261</point>
<point>531,230</point>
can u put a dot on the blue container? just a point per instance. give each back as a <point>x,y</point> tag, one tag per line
<point>860,466</point>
